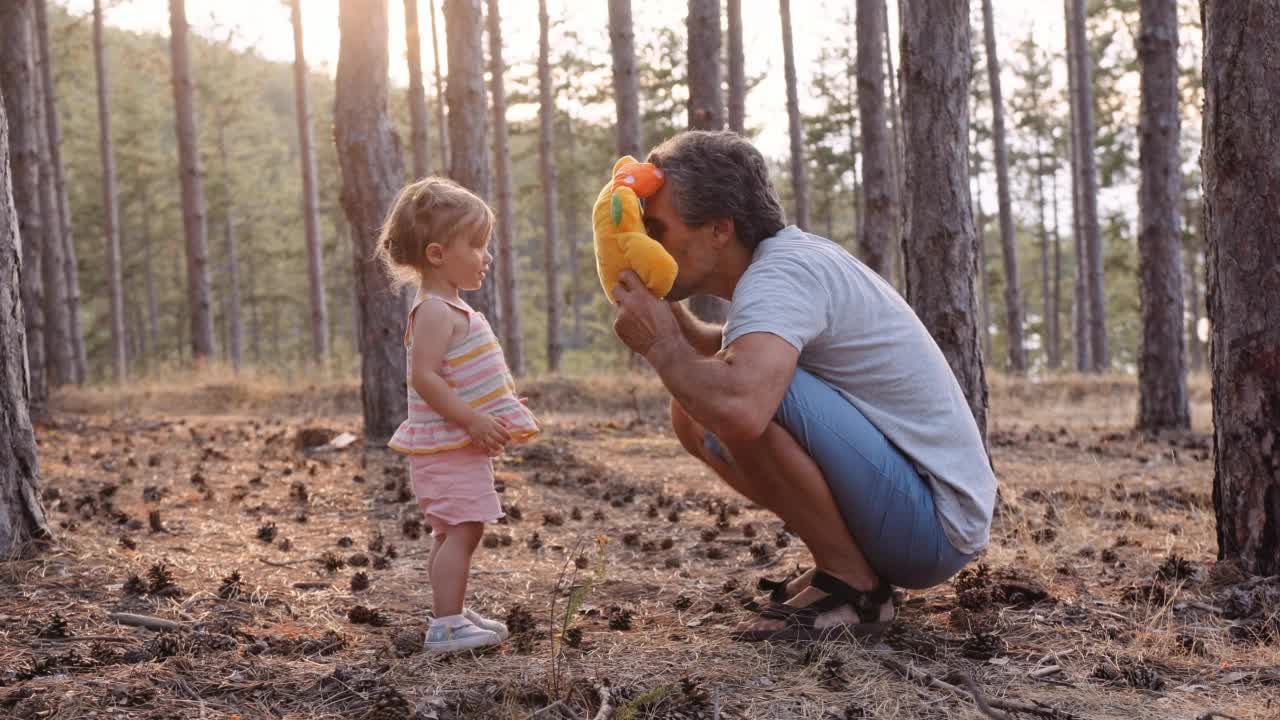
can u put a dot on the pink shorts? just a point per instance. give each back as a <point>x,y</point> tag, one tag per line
<point>455,486</point>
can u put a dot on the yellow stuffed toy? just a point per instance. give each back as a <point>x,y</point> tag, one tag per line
<point>620,238</point>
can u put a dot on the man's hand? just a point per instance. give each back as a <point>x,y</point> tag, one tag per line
<point>642,321</point>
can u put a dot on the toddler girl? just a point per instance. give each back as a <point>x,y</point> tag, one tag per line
<point>462,404</point>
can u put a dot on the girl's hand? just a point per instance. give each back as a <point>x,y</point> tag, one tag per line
<point>488,433</point>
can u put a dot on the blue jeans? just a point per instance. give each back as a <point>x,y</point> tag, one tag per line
<point>885,503</point>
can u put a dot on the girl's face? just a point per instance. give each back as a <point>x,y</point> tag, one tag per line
<point>465,261</point>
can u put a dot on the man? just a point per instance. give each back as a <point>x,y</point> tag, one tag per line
<point>822,398</point>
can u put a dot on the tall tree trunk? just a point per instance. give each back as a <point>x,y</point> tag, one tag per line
<point>1242,214</point>
<point>1098,348</point>
<point>320,343</point>
<point>199,294</point>
<point>57,337</point>
<point>508,267</point>
<point>22,518</point>
<point>573,236</point>
<point>1081,295</point>
<point>18,83</point>
<point>1008,241</point>
<point>879,189</point>
<point>939,235</point>
<point>468,128</point>
<point>547,169</point>
<point>626,87</point>
<point>235,327</point>
<point>1055,328</point>
<point>1195,347</point>
<point>799,175</point>
<point>737,68</point>
<point>149,278</point>
<point>897,162</point>
<point>70,270</point>
<point>1162,362</point>
<point>1046,294</point>
<point>372,174</point>
<point>706,107</point>
<point>442,129</point>
<point>417,93</point>
<point>980,220</point>
<point>110,202</point>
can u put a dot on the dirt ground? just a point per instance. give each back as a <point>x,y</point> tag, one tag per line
<point>292,572</point>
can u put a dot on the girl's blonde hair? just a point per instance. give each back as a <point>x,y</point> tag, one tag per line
<point>431,210</point>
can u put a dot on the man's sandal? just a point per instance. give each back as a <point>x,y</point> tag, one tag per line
<point>799,623</point>
<point>777,590</point>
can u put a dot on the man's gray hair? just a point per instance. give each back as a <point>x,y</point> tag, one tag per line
<point>720,174</point>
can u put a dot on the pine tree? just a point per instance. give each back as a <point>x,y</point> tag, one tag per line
<point>372,173</point>
<point>939,238</point>
<point>508,269</point>
<point>1242,212</point>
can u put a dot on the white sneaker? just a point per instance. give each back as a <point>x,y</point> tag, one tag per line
<point>443,638</point>
<point>485,623</point>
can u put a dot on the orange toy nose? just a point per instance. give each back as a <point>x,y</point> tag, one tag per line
<point>643,178</point>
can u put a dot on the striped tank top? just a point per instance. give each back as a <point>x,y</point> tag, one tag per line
<point>477,370</point>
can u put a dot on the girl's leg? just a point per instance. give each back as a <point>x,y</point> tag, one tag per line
<point>451,565</point>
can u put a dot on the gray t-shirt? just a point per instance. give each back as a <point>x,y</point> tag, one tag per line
<point>856,333</point>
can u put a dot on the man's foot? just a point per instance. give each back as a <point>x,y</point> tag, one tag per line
<point>825,608</point>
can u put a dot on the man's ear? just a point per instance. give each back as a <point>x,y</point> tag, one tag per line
<point>724,231</point>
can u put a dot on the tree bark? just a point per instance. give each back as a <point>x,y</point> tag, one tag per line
<point>1098,349</point>
<point>1008,243</point>
<point>70,272</point>
<point>897,162</point>
<point>706,107</point>
<point>1162,362</point>
<point>235,326</point>
<point>1080,313</point>
<point>547,169</point>
<point>417,93</point>
<point>110,202</point>
<point>626,87</point>
<point>22,518</point>
<point>1194,346</point>
<point>320,343</point>
<point>1242,217</point>
<point>372,174</point>
<point>468,128</point>
<point>939,238</point>
<point>199,294</point>
<point>737,69</point>
<point>1046,294</point>
<point>508,267</point>
<point>153,307</point>
<point>18,82</point>
<point>57,337</point>
<point>1055,328</point>
<point>879,189</point>
<point>799,175</point>
<point>442,129</point>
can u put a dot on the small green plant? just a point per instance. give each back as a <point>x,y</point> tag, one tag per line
<point>632,706</point>
<point>562,630</point>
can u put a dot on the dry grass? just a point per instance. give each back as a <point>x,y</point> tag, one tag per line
<point>1089,513</point>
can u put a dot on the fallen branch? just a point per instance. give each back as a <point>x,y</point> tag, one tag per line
<point>287,563</point>
<point>1211,714</point>
<point>928,680</point>
<point>145,621</point>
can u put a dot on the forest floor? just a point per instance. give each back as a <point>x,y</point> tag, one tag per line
<point>293,572</point>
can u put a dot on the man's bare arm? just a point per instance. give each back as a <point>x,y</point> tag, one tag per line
<point>734,393</point>
<point>703,336</point>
